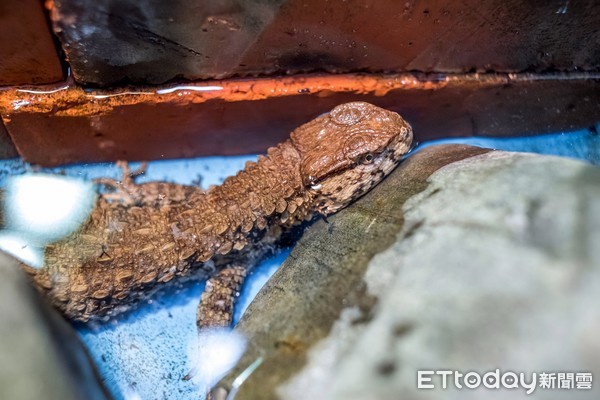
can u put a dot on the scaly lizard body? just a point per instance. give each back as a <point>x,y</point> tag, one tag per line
<point>128,249</point>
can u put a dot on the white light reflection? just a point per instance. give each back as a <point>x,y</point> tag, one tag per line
<point>19,103</point>
<point>106,96</point>
<point>43,91</point>
<point>40,208</point>
<point>241,378</point>
<point>194,88</point>
<point>131,394</point>
<point>214,354</point>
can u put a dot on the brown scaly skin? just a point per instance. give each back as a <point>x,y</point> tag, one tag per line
<point>169,232</point>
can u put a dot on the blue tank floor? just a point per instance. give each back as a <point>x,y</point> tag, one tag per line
<point>144,354</point>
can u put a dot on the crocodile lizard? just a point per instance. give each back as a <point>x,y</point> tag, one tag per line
<point>144,236</point>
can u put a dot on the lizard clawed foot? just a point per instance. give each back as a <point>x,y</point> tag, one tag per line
<point>126,191</point>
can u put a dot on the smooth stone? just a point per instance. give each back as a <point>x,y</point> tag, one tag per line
<point>41,356</point>
<point>463,259</point>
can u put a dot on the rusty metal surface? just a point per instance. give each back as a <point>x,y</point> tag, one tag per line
<point>27,51</point>
<point>152,41</point>
<point>69,124</point>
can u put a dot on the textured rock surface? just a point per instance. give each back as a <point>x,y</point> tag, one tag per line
<point>42,357</point>
<point>492,263</point>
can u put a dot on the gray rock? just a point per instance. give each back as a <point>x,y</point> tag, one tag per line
<point>494,263</point>
<point>40,355</point>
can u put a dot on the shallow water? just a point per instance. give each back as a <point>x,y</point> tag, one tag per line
<point>144,354</point>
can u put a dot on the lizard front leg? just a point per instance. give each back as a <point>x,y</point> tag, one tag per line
<point>128,193</point>
<point>125,191</point>
<point>216,305</point>
<point>215,309</point>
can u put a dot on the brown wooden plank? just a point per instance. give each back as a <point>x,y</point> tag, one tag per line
<point>246,116</point>
<point>27,51</point>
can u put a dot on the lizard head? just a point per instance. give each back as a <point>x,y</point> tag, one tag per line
<point>345,152</point>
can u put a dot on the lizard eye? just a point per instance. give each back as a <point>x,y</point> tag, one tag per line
<point>367,158</point>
